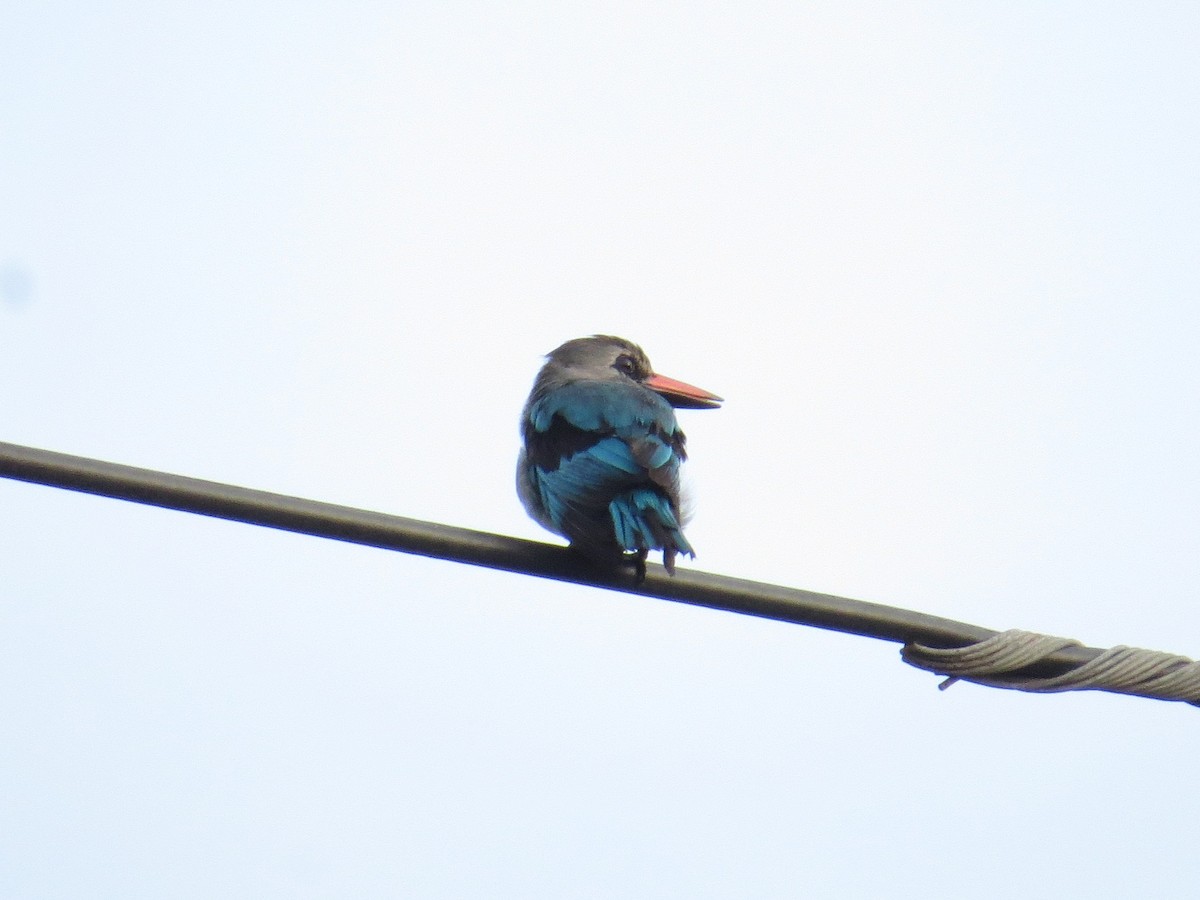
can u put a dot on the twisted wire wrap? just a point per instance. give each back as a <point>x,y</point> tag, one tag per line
<point>997,661</point>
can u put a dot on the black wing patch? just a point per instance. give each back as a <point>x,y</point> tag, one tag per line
<point>548,449</point>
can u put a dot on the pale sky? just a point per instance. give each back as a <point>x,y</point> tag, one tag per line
<point>943,262</point>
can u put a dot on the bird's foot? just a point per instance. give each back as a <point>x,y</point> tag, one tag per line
<point>639,565</point>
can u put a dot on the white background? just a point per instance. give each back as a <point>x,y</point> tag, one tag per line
<point>940,258</point>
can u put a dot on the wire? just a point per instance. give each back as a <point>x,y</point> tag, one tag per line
<point>917,631</point>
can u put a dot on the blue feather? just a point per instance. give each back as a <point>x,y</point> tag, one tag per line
<point>597,406</point>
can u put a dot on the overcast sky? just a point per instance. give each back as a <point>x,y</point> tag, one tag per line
<point>943,261</point>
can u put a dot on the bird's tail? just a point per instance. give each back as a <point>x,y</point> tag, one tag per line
<point>644,520</point>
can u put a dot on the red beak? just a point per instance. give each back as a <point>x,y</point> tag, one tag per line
<point>681,395</point>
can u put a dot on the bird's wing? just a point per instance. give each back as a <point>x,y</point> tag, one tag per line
<point>589,441</point>
<point>574,417</point>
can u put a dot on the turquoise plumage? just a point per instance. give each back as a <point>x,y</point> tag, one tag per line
<point>602,451</point>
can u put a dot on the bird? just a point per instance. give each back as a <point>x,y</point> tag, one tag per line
<point>601,452</point>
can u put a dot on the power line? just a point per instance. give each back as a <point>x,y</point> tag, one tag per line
<point>931,642</point>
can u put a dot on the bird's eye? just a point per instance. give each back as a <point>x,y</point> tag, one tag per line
<point>625,365</point>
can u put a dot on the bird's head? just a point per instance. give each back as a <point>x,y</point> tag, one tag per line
<point>603,357</point>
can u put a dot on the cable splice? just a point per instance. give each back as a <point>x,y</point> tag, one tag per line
<point>998,662</point>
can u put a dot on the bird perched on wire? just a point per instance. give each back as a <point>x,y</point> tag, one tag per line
<point>602,450</point>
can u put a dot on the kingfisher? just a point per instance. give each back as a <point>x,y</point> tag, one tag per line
<point>602,450</point>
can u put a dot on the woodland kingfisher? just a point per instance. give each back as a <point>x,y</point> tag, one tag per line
<point>602,450</point>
